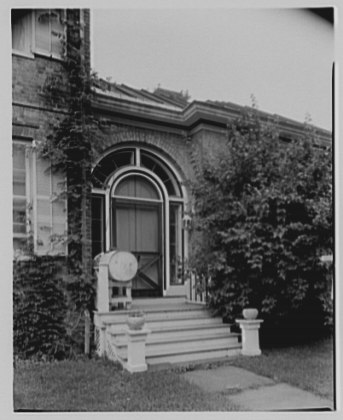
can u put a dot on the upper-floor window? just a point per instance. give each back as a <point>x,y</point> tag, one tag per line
<point>22,30</point>
<point>38,31</point>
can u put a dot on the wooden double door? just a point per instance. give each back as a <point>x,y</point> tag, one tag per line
<point>137,228</point>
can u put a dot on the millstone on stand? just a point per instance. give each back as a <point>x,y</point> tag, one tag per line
<point>115,271</point>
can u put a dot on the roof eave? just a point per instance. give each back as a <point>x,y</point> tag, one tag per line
<point>194,113</point>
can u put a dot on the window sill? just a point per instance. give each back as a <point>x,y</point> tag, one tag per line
<point>26,257</point>
<point>23,54</point>
<point>54,254</point>
<point>40,53</point>
<point>17,235</point>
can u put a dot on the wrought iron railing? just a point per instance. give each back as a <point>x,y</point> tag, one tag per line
<point>197,288</point>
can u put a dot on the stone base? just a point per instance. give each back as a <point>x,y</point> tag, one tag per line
<point>136,340</point>
<point>251,352</point>
<point>136,368</point>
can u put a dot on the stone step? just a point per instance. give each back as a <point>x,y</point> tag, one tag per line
<point>152,314</point>
<point>193,331</point>
<point>192,355</point>
<point>152,302</point>
<point>179,336</point>
<point>170,323</point>
<point>193,342</point>
<point>180,333</point>
<point>174,345</point>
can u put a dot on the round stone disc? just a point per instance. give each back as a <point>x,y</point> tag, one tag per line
<point>122,266</point>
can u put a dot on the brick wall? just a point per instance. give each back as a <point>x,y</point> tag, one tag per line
<point>207,144</point>
<point>86,36</point>
<point>29,77</point>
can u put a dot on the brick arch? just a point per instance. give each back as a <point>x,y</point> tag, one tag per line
<point>172,147</point>
<point>165,160</point>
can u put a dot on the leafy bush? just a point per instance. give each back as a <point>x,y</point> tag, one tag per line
<point>39,309</point>
<point>264,209</point>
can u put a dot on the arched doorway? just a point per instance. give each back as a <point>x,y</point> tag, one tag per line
<point>138,206</point>
<point>137,227</point>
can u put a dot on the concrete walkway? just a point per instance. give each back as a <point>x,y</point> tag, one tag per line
<point>251,392</point>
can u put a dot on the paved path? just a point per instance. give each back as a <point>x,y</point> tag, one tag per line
<point>251,392</point>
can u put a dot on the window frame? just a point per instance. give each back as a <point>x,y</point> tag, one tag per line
<point>30,52</point>
<point>49,198</point>
<point>26,196</point>
<point>108,190</point>
<point>33,49</point>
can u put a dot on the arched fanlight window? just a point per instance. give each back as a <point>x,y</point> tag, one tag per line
<point>137,187</point>
<point>109,164</point>
<point>128,157</point>
<point>149,161</point>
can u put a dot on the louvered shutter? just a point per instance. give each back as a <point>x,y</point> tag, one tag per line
<point>49,31</point>
<point>42,30</point>
<point>51,211</point>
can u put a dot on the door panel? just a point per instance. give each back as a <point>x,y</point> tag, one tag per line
<point>147,229</point>
<point>137,229</point>
<point>125,228</point>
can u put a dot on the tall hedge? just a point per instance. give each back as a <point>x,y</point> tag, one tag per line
<point>264,216</point>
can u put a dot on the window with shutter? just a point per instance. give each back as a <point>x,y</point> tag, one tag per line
<point>20,195</point>
<point>38,31</point>
<point>22,30</point>
<point>50,211</point>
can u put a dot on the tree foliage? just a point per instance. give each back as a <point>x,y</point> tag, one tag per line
<point>264,216</point>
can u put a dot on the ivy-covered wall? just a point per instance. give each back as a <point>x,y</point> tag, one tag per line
<point>41,103</point>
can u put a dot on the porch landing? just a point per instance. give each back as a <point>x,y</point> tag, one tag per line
<point>180,332</point>
<point>163,303</point>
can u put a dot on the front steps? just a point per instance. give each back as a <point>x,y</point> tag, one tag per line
<point>180,332</point>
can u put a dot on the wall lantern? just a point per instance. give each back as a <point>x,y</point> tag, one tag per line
<point>326,258</point>
<point>187,222</point>
<point>328,261</point>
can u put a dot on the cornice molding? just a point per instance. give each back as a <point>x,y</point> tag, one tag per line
<point>196,114</point>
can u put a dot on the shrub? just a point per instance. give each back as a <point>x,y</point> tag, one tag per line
<point>39,309</point>
<point>264,207</point>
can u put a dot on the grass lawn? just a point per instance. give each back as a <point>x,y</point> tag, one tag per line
<point>309,367</point>
<point>99,385</point>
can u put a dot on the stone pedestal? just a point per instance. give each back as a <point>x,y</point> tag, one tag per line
<point>136,340</point>
<point>102,292</point>
<point>250,336</point>
<point>101,345</point>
